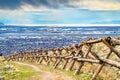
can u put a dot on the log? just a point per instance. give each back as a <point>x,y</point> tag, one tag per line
<point>74,59</point>
<point>82,63</point>
<point>92,41</point>
<point>57,63</point>
<point>65,64</point>
<point>88,60</point>
<point>110,62</point>
<point>107,61</point>
<point>100,67</point>
<point>112,48</point>
<point>115,41</point>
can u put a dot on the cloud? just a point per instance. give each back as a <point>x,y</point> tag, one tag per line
<point>38,5</point>
<point>13,16</point>
<point>59,11</point>
<point>96,4</point>
<point>10,4</point>
<point>33,4</point>
<point>28,7</point>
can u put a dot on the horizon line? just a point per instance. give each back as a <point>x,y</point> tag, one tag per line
<point>55,25</point>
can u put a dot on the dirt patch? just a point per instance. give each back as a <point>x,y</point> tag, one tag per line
<point>47,75</point>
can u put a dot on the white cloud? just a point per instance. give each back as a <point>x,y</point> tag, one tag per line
<point>28,7</point>
<point>12,16</point>
<point>96,4</point>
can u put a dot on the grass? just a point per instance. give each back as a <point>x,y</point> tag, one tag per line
<point>107,73</point>
<point>25,73</point>
<point>12,71</point>
<point>82,76</point>
<point>19,72</point>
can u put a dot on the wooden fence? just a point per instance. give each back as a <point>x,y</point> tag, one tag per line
<point>66,57</point>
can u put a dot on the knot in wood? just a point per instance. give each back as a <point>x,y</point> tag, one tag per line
<point>109,40</point>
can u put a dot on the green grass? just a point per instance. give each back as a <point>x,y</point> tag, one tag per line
<point>16,72</point>
<point>20,72</point>
<point>107,73</point>
<point>82,76</point>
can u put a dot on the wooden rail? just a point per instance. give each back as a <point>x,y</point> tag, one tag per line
<point>79,53</point>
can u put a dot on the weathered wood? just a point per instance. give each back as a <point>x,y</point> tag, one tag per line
<point>55,66</point>
<point>107,61</point>
<point>82,63</point>
<point>56,59</point>
<point>50,60</point>
<point>71,65</point>
<point>115,41</point>
<point>113,49</point>
<point>73,60</point>
<point>43,58</point>
<point>92,41</point>
<point>100,67</point>
<point>71,54</point>
<point>88,60</point>
<point>65,64</point>
<point>110,62</point>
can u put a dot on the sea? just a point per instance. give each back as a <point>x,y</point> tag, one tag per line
<point>14,39</point>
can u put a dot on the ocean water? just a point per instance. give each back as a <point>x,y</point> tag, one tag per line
<point>15,39</point>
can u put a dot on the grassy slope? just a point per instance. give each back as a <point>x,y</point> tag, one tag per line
<point>25,73</point>
<point>12,71</point>
<point>108,73</point>
<point>20,72</point>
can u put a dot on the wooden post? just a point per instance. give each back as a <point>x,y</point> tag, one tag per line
<point>65,64</point>
<point>40,59</point>
<point>44,54</point>
<point>72,63</point>
<point>112,48</point>
<point>48,61</point>
<point>59,55</point>
<point>76,52</point>
<point>56,64</point>
<point>82,63</point>
<point>56,59</point>
<point>100,67</point>
<point>55,56</point>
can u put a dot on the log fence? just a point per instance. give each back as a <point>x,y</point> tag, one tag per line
<point>66,57</point>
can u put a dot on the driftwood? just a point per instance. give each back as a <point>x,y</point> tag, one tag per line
<point>72,54</point>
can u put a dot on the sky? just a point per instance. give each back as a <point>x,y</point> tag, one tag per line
<point>60,11</point>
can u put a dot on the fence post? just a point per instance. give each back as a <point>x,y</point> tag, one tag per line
<point>100,66</point>
<point>82,63</point>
